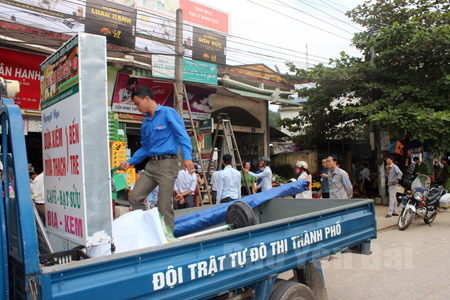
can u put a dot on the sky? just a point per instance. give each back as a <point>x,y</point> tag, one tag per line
<point>252,21</point>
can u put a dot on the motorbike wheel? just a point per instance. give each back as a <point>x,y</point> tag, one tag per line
<point>405,219</point>
<point>430,220</point>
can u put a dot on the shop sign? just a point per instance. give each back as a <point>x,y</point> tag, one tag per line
<point>206,126</point>
<point>116,22</point>
<point>53,15</point>
<point>192,12</point>
<point>209,46</point>
<point>204,15</point>
<point>126,84</point>
<point>77,198</point>
<point>163,66</point>
<point>201,72</point>
<point>23,67</point>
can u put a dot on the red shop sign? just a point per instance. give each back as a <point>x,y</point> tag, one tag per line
<point>25,68</point>
<point>204,15</point>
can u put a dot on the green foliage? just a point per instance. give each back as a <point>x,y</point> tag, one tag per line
<point>404,88</point>
<point>274,116</point>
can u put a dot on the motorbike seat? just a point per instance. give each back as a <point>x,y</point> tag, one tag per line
<point>433,194</point>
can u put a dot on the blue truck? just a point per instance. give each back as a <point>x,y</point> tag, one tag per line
<point>290,235</point>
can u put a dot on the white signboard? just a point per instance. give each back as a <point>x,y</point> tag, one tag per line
<point>163,66</point>
<point>76,178</point>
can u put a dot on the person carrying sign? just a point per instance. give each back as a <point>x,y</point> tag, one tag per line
<point>162,134</point>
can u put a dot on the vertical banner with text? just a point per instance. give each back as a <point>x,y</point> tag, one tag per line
<point>62,149</point>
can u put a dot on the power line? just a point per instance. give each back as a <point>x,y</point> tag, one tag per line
<point>298,20</point>
<point>169,47</point>
<point>315,17</point>
<point>327,14</point>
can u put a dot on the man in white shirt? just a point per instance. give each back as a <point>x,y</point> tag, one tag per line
<point>39,199</point>
<point>266,175</point>
<point>214,180</point>
<point>229,182</point>
<point>185,188</point>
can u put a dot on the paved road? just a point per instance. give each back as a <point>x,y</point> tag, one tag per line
<point>413,264</point>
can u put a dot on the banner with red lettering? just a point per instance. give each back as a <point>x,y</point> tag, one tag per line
<point>23,67</point>
<point>62,149</point>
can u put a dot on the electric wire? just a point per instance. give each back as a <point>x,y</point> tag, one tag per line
<point>167,19</point>
<point>327,14</point>
<point>299,20</point>
<point>315,17</point>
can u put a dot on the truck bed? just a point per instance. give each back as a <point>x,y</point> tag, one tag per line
<point>290,233</point>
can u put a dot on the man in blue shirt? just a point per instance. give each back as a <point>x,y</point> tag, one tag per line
<point>162,134</point>
<point>324,184</point>
<point>266,175</point>
<point>229,182</point>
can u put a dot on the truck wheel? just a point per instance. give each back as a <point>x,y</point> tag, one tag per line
<point>292,291</point>
<point>276,285</point>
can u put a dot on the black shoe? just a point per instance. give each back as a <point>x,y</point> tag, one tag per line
<point>394,214</point>
<point>388,216</point>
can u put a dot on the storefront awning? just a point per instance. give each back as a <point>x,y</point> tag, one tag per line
<point>248,94</point>
<point>260,96</point>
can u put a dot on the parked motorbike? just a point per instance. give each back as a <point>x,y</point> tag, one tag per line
<point>420,201</point>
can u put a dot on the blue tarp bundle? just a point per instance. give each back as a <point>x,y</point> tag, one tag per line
<point>215,215</point>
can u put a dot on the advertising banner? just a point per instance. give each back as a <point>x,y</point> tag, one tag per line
<point>192,12</point>
<point>23,67</point>
<point>59,75</point>
<point>163,66</point>
<point>77,184</point>
<point>53,15</point>
<point>204,15</point>
<point>157,35</point>
<point>115,21</point>
<point>126,84</point>
<point>163,7</point>
<point>209,46</point>
<point>201,72</point>
<point>62,149</point>
<point>201,101</point>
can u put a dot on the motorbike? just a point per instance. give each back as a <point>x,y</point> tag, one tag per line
<point>421,201</point>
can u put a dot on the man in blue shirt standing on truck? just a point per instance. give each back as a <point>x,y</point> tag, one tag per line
<point>162,134</point>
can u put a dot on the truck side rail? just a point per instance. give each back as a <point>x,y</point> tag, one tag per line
<point>208,266</point>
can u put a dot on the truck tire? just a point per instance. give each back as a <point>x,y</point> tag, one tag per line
<point>292,291</point>
<point>276,285</point>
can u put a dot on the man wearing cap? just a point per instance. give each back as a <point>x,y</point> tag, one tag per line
<point>265,175</point>
<point>340,185</point>
<point>162,135</point>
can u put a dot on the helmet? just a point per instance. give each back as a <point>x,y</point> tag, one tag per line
<point>267,160</point>
<point>301,164</point>
<point>292,180</point>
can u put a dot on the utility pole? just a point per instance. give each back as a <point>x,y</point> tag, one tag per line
<point>377,138</point>
<point>179,64</point>
<point>178,96</point>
